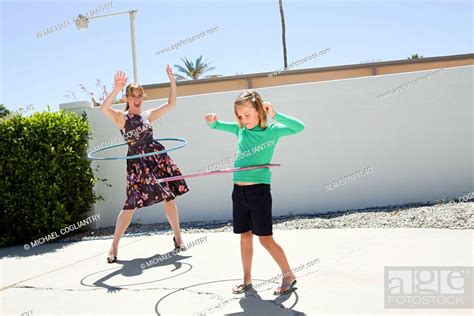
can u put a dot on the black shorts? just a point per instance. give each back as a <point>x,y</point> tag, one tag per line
<point>252,209</point>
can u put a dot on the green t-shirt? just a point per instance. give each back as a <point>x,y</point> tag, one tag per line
<point>256,146</point>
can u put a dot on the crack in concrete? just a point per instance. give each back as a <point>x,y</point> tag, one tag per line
<point>224,301</point>
<point>60,268</point>
<point>94,289</point>
<point>217,306</point>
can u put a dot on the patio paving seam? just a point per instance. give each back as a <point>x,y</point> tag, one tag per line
<point>60,268</point>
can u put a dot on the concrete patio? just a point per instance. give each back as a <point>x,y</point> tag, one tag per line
<point>346,277</point>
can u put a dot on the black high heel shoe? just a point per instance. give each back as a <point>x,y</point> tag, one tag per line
<point>177,247</point>
<point>111,259</point>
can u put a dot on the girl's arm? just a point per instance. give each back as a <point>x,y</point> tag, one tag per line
<point>212,122</point>
<point>116,116</point>
<point>158,112</point>
<point>288,125</point>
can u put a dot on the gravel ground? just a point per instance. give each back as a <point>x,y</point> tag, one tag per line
<point>440,215</point>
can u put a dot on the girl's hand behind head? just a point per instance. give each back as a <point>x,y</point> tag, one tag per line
<point>120,80</point>
<point>210,117</point>
<point>268,107</point>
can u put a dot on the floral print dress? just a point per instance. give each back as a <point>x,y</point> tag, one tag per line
<point>143,188</point>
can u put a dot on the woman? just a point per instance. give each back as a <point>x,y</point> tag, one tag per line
<point>143,188</point>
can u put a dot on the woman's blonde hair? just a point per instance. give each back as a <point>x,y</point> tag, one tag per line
<point>256,102</point>
<point>129,91</point>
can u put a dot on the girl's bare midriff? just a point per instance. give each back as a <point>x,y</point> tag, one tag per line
<point>245,183</point>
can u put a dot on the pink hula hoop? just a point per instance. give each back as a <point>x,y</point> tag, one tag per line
<point>215,172</point>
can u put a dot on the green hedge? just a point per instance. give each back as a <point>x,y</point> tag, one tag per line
<point>46,180</point>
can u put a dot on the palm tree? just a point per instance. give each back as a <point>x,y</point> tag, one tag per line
<point>415,56</point>
<point>194,71</point>
<point>283,34</point>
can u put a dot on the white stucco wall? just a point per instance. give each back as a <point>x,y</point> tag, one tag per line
<point>417,141</point>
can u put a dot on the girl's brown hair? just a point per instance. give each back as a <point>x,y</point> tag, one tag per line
<point>129,91</point>
<point>256,102</point>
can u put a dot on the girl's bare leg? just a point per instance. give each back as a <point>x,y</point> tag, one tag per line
<point>246,252</point>
<point>279,256</point>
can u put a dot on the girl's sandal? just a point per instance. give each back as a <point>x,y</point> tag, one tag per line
<point>288,286</point>
<point>239,289</point>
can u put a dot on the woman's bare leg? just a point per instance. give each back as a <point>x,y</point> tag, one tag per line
<point>171,211</point>
<point>123,221</point>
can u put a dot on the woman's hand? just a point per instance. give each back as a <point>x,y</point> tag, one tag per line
<point>169,72</point>
<point>210,118</point>
<point>267,106</point>
<point>120,80</point>
<point>158,112</point>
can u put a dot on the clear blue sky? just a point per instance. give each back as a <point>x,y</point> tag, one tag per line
<point>39,71</point>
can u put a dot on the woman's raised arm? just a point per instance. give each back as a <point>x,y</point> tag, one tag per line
<point>117,116</point>
<point>158,112</point>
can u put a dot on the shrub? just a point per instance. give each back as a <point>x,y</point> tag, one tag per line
<point>46,180</point>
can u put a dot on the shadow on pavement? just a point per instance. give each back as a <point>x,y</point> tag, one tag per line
<point>251,303</point>
<point>136,267</point>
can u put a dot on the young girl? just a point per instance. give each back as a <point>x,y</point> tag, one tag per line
<point>251,197</point>
<point>143,188</point>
